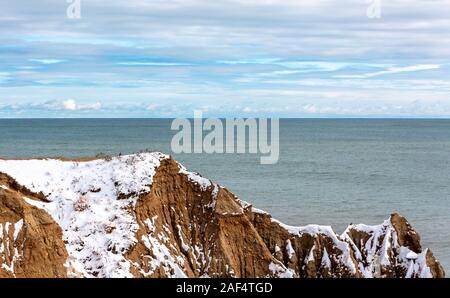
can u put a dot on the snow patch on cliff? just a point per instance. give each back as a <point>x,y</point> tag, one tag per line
<point>378,248</point>
<point>9,257</point>
<point>196,178</point>
<point>280,271</point>
<point>344,258</point>
<point>91,201</point>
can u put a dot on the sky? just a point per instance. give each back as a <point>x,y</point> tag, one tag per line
<point>227,58</point>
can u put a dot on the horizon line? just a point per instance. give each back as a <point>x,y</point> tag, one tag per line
<point>281,118</point>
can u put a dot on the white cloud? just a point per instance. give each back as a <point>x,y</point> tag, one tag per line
<point>262,61</point>
<point>93,106</point>
<point>46,61</point>
<point>153,64</point>
<point>310,108</point>
<point>70,105</point>
<point>391,70</point>
<point>152,107</point>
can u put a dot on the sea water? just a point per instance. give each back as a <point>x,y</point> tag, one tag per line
<point>331,171</point>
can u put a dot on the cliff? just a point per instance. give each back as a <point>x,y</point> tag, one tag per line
<point>145,215</point>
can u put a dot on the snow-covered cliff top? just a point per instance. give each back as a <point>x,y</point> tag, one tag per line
<point>94,203</point>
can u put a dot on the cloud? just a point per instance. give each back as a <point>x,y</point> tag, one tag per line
<point>304,108</point>
<point>77,40</point>
<point>391,70</point>
<point>153,64</point>
<point>263,61</point>
<point>275,53</point>
<point>292,66</point>
<point>70,105</point>
<point>46,61</point>
<point>153,107</point>
<point>51,106</point>
<point>93,106</point>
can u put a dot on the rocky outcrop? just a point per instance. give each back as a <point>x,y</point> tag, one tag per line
<point>145,215</point>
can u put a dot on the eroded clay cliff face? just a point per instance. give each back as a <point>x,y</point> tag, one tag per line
<point>31,242</point>
<point>201,224</point>
<point>146,216</point>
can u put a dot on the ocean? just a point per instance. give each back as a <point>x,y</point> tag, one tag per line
<point>330,172</point>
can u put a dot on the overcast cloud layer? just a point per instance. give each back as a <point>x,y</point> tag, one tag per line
<point>165,58</point>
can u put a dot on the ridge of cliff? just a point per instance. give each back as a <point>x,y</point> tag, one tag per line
<point>145,215</point>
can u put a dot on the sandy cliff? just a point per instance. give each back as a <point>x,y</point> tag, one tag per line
<point>146,216</point>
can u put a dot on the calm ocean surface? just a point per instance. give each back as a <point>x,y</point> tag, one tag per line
<point>332,172</point>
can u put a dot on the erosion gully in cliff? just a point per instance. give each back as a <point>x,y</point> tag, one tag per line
<point>145,215</point>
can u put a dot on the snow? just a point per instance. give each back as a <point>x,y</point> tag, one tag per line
<point>410,255</point>
<point>384,257</point>
<point>424,270</point>
<point>378,250</point>
<point>93,203</point>
<point>278,270</point>
<point>1,237</point>
<point>244,204</point>
<point>415,262</point>
<point>345,258</point>
<point>14,255</point>
<point>151,223</point>
<point>17,228</point>
<point>196,178</point>
<point>326,262</point>
<point>277,248</point>
<point>378,256</point>
<point>162,258</point>
<point>102,183</point>
<point>290,251</point>
<point>211,205</point>
<point>241,212</point>
<point>215,191</point>
<point>311,254</point>
<point>200,257</point>
<point>259,211</point>
<point>184,247</point>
